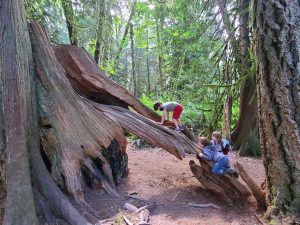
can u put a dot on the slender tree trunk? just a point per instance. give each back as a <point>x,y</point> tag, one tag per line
<point>277,48</point>
<point>148,66</point>
<point>227,108</point>
<point>70,20</point>
<point>133,61</point>
<point>16,81</point>
<point>122,43</point>
<point>160,52</point>
<point>138,72</point>
<point>100,25</point>
<point>148,76</point>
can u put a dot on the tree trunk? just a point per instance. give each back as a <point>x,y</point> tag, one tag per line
<point>245,133</point>
<point>227,110</point>
<point>277,48</point>
<point>122,43</point>
<point>160,61</point>
<point>133,61</point>
<point>70,20</point>
<point>99,32</point>
<point>16,81</point>
<point>148,66</point>
<point>227,107</point>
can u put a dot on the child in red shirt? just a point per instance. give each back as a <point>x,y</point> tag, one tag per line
<point>167,107</point>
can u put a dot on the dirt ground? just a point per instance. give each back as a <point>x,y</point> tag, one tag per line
<point>169,185</point>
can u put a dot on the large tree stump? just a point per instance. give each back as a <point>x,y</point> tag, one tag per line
<point>228,188</point>
<point>71,130</point>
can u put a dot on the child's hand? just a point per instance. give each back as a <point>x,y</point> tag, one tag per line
<point>199,156</point>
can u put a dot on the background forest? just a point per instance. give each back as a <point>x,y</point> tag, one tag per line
<point>196,52</point>
<point>234,65</point>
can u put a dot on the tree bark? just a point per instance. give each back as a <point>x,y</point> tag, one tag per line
<point>277,48</point>
<point>16,80</point>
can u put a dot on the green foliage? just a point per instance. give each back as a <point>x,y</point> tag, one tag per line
<point>147,101</point>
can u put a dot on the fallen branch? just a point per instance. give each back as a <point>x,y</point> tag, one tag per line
<point>209,205</point>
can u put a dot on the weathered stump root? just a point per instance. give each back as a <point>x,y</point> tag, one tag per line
<point>256,191</point>
<point>229,189</point>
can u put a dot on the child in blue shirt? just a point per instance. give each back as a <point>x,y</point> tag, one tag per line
<point>210,153</point>
<point>221,145</point>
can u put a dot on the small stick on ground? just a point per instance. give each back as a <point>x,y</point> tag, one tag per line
<point>209,205</point>
<point>175,196</point>
<point>127,220</point>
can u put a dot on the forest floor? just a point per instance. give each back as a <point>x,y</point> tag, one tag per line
<point>169,185</point>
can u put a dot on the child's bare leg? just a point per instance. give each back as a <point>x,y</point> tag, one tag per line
<point>176,123</point>
<point>179,123</point>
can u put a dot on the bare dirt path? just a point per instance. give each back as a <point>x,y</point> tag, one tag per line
<point>168,183</point>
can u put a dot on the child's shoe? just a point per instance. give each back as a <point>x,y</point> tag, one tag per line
<point>178,130</point>
<point>231,172</point>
